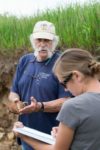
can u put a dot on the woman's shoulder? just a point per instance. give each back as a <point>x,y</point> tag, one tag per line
<point>76,101</point>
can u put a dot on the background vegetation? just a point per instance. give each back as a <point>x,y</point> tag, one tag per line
<point>77,26</point>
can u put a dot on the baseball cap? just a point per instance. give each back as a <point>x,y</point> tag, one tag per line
<point>44,30</point>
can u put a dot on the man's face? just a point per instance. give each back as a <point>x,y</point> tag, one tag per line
<point>44,47</point>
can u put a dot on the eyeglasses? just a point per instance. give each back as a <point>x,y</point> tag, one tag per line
<point>66,80</point>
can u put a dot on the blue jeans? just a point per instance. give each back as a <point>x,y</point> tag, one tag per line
<point>26,146</point>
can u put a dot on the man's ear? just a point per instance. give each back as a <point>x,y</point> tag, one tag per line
<point>77,75</point>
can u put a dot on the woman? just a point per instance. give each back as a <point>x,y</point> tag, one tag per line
<point>79,127</point>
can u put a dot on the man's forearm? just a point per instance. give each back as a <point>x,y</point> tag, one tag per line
<point>50,106</point>
<point>55,105</point>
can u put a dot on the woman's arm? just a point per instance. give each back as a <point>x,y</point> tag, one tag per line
<point>63,140</point>
<point>64,137</point>
<point>37,145</point>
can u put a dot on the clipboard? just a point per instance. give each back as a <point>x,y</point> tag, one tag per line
<point>41,136</point>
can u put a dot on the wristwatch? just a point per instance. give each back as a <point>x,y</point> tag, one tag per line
<point>42,107</point>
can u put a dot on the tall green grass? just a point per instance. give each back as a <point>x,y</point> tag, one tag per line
<point>77,26</point>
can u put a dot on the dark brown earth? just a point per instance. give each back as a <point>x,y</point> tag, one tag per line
<point>7,69</point>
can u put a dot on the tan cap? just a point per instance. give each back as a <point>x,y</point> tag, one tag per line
<point>44,30</point>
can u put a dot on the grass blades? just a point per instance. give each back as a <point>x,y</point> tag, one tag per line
<point>77,26</point>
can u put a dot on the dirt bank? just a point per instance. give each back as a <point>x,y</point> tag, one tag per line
<point>7,69</point>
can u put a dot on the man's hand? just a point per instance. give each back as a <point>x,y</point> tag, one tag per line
<point>33,107</point>
<point>13,107</point>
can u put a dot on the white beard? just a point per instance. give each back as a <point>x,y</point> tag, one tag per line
<point>37,50</point>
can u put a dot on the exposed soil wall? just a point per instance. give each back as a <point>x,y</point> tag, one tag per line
<point>7,68</point>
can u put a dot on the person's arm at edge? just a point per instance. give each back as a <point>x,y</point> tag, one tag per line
<point>13,100</point>
<point>13,97</point>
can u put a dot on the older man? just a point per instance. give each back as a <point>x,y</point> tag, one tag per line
<point>35,83</point>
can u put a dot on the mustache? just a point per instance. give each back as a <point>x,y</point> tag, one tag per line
<point>43,49</point>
